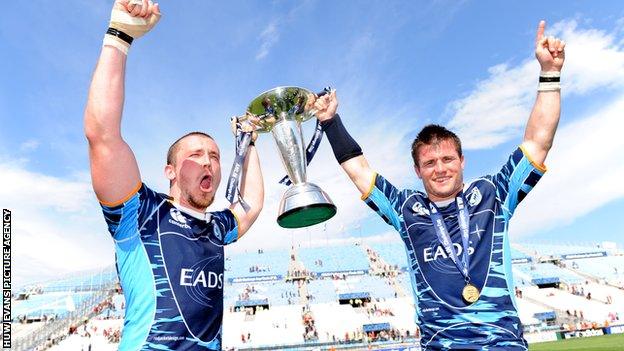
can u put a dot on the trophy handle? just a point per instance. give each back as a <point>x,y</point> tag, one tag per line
<point>325,91</point>
<point>312,112</point>
<point>266,124</point>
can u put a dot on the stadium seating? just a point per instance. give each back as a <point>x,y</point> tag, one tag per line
<point>521,276</point>
<point>391,252</point>
<point>277,292</point>
<point>281,323</point>
<point>57,304</point>
<point>557,250</point>
<point>527,311</point>
<point>334,258</point>
<point>323,290</point>
<point>544,273</point>
<point>564,301</point>
<point>333,319</point>
<point>256,264</point>
<point>608,268</point>
<point>377,287</point>
<point>266,327</point>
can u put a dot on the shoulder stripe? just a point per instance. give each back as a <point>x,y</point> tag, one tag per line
<point>126,198</point>
<point>237,223</point>
<point>542,168</point>
<point>370,188</point>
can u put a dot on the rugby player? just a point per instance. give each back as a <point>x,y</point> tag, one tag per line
<point>169,249</point>
<point>455,233</point>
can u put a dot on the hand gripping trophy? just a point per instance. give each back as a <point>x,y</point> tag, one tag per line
<point>281,111</point>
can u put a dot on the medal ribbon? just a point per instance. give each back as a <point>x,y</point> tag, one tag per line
<point>444,237</point>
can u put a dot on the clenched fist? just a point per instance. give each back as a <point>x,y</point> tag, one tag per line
<point>130,19</point>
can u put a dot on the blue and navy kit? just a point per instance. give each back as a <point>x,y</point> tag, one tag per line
<point>445,320</point>
<point>170,265</point>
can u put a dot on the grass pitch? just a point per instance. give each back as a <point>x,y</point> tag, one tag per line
<point>594,343</point>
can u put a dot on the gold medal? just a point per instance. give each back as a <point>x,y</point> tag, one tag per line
<point>470,293</point>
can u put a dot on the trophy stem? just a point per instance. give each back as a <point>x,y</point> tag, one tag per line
<point>288,138</point>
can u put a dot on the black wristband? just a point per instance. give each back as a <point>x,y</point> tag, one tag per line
<point>549,79</point>
<point>343,145</point>
<point>119,34</point>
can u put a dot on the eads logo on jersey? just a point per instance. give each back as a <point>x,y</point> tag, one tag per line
<point>178,219</point>
<point>436,251</point>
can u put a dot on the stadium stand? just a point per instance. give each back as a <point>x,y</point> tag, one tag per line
<point>323,290</point>
<point>608,268</point>
<point>546,251</point>
<point>54,308</point>
<point>343,301</point>
<point>547,273</point>
<point>256,264</point>
<point>333,258</point>
<point>392,252</point>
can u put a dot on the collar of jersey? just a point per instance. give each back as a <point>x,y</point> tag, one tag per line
<point>445,203</point>
<point>205,216</point>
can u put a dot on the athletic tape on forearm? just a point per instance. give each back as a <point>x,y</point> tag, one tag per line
<point>343,145</point>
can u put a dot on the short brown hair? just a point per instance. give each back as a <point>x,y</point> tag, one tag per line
<point>173,149</point>
<point>433,134</point>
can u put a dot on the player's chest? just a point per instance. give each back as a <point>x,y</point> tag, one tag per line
<point>183,240</point>
<point>426,239</point>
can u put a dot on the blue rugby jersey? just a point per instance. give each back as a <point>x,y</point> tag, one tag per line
<point>170,265</point>
<point>445,320</point>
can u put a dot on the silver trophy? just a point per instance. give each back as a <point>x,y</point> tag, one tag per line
<point>281,111</point>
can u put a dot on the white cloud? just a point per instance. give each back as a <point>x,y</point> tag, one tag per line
<point>497,109</point>
<point>29,145</point>
<point>268,38</point>
<point>57,226</point>
<point>270,35</point>
<point>585,172</point>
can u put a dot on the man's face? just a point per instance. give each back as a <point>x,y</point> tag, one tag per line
<point>197,171</point>
<point>441,169</point>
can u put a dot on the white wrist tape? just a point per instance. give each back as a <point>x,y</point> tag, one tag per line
<point>115,42</point>
<point>549,81</point>
<point>135,27</point>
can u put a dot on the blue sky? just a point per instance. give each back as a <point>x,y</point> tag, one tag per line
<point>397,65</point>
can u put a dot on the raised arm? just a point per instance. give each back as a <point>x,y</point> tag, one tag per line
<point>114,170</point>
<point>544,118</point>
<point>347,151</point>
<point>252,190</point>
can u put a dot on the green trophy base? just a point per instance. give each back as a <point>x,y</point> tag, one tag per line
<point>306,216</point>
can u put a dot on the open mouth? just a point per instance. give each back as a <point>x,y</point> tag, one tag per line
<point>206,183</point>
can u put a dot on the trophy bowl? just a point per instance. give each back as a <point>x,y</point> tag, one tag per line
<point>281,111</point>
